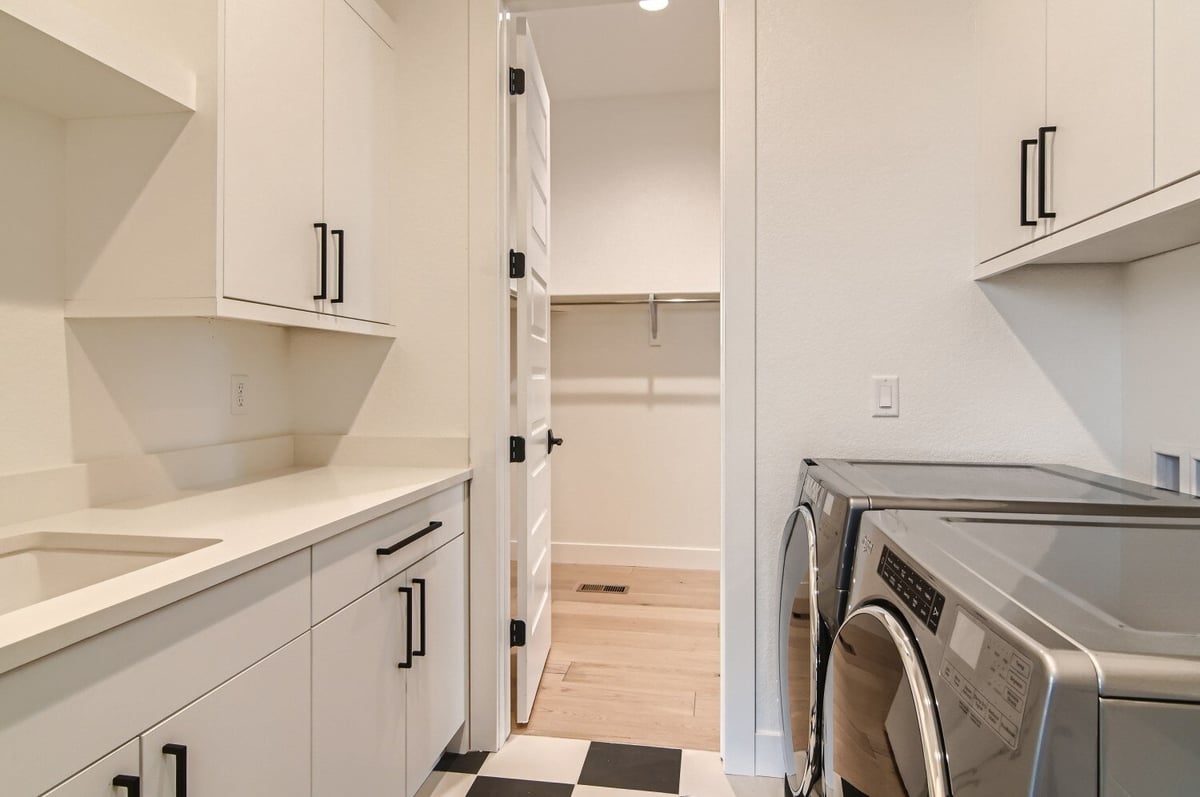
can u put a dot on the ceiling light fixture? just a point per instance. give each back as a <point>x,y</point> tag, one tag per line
<point>653,5</point>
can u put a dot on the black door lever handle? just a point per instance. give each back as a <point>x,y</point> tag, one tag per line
<point>552,441</point>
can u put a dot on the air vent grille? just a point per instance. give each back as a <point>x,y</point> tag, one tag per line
<point>614,589</point>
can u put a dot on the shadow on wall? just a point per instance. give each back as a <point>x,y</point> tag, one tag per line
<point>151,385</point>
<point>603,354</point>
<point>1069,319</point>
<point>331,376</point>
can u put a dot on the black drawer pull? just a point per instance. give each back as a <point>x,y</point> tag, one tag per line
<point>391,549</point>
<point>130,783</point>
<point>324,228</point>
<point>421,650</point>
<point>180,753</point>
<point>1042,212</point>
<point>408,648</point>
<point>1025,145</point>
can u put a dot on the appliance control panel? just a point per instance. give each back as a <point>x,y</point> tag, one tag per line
<point>991,678</point>
<point>921,597</point>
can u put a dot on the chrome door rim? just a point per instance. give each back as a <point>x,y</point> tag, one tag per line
<point>801,784</point>
<point>932,749</point>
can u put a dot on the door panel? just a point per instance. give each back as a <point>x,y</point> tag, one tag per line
<point>1010,40</point>
<point>251,735</point>
<point>97,780</point>
<point>1177,89</point>
<point>359,695</point>
<point>359,137</point>
<point>532,521</point>
<point>437,682</point>
<point>1100,96</point>
<point>273,151</point>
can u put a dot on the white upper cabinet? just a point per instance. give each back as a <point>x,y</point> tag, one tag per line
<point>1010,42</point>
<point>1177,90</point>
<point>359,134</point>
<point>1100,100</point>
<point>274,151</point>
<point>231,212</point>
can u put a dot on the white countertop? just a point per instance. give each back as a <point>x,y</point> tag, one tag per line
<point>256,522</point>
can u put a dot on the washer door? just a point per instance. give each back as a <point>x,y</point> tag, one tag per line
<point>881,732</point>
<point>800,651</point>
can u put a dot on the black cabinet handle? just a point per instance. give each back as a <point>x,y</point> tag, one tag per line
<point>552,441</point>
<point>1042,212</point>
<point>391,549</point>
<point>341,265</point>
<point>408,648</point>
<point>130,783</point>
<point>1025,145</point>
<point>180,753</point>
<point>324,228</point>
<point>421,650</point>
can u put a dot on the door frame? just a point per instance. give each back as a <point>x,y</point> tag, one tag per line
<point>745,750</point>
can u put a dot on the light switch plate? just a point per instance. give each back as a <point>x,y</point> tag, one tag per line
<point>885,396</point>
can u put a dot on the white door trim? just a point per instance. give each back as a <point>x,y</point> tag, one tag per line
<point>489,514</point>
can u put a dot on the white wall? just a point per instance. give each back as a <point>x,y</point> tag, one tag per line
<point>638,480</point>
<point>1162,344</point>
<point>865,246</point>
<point>635,194</point>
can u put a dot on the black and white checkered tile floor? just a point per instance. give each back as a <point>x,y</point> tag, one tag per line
<point>539,766</point>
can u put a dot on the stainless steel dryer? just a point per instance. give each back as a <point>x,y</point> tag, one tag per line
<point>818,546</point>
<point>1007,655</point>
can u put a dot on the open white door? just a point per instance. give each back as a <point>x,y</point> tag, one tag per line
<point>530,236</point>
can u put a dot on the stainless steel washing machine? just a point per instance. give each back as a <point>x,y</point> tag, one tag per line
<point>819,543</point>
<point>1006,655</point>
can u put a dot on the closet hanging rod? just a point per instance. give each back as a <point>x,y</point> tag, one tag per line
<point>649,298</point>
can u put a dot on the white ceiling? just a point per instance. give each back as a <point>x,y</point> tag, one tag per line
<point>617,49</point>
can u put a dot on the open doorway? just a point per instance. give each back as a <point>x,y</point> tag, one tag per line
<point>623,586</point>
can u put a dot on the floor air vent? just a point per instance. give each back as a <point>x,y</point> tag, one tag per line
<point>616,589</point>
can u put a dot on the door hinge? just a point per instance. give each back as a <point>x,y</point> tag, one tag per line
<point>516,264</point>
<point>516,633</point>
<point>516,81</point>
<point>516,449</point>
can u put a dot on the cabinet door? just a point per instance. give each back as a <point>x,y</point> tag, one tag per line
<point>359,694</point>
<point>1100,96</point>
<point>97,780</point>
<point>251,735</point>
<point>272,151</point>
<point>359,139</point>
<point>437,682</point>
<point>1010,42</point>
<point>1177,90</point>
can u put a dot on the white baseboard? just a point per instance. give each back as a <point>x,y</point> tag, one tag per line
<point>768,753</point>
<point>586,553</point>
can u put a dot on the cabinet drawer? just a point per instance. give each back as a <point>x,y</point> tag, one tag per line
<point>62,712</point>
<point>348,566</point>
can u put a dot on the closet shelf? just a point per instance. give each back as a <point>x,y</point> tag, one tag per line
<point>598,299</point>
<point>57,59</point>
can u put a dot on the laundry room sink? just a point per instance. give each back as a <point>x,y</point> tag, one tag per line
<point>36,567</point>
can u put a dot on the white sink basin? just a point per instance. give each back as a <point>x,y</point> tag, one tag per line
<point>35,567</point>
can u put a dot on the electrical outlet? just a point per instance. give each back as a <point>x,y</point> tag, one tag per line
<point>239,398</point>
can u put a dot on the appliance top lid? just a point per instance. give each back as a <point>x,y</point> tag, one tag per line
<point>997,482</point>
<point>1125,590</point>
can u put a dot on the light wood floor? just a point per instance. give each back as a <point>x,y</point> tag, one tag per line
<point>641,668</point>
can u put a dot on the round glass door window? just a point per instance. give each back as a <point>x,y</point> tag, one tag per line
<point>881,735</point>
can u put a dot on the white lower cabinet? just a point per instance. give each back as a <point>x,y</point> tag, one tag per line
<point>249,736</point>
<point>437,681</point>
<point>389,680</point>
<point>106,776</point>
<point>359,695</point>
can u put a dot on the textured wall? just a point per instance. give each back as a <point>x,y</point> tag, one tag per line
<point>636,194</point>
<point>865,247</point>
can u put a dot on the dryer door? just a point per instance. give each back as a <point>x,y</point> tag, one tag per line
<point>802,638</point>
<point>881,732</point>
